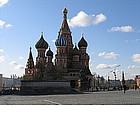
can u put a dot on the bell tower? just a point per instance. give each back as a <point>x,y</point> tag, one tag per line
<point>41,47</point>
<point>66,33</point>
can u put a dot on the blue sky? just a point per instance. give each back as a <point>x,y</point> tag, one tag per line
<point>111,28</point>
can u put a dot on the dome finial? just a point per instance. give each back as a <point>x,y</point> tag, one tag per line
<point>65,11</point>
<point>41,34</point>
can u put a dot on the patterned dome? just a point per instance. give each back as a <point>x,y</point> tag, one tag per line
<point>82,43</point>
<point>49,53</point>
<point>41,43</point>
<point>61,41</point>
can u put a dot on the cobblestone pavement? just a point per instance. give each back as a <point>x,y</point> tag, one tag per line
<point>131,97</point>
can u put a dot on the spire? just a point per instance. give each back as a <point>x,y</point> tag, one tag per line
<point>30,54</point>
<point>41,34</point>
<point>65,26</point>
<point>30,62</point>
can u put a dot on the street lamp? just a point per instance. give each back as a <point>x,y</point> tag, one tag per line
<point>98,77</point>
<point>115,76</point>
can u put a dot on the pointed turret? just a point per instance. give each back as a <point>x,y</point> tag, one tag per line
<point>30,54</point>
<point>30,62</point>
<point>30,68</point>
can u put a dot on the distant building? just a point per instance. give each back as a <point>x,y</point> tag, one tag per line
<point>71,62</point>
<point>138,80</point>
<point>0,82</point>
<point>9,83</point>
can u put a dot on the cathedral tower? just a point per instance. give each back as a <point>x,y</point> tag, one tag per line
<point>30,68</point>
<point>84,56</point>
<point>61,56</point>
<point>66,33</point>
<point>41,47</point>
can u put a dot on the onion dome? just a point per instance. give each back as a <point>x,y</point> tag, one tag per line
<point>75,51</point>
<point>41,43</point>
<point>82,42</point>
<point>49,53</point>
<point>61,41</point>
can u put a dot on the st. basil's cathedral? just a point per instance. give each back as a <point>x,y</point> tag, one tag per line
<point>71,63</point>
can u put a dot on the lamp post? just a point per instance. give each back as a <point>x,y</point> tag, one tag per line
<point>108,82</point>
<point>98,77</point>
<point>115,76</point>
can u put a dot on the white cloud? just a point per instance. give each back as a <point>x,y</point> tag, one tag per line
<point>19,67</point>
<point>21,57</point>
<point>132,40</point>
<point>133,67</point>
<point>106,66</point>
<point>2,58</point>
<point>53,40</point>
<point>122,29</point>
<point>8,25</point>
<point>3,24</point>
<point>136,58</point>
<point>138,39</point>
<point>16,65</point>
<point>1,50</point>
<point>110,55</point>
<point>3,2</point>
<point>82,20</point>
<point>13,63</point>
<point>129,75</point>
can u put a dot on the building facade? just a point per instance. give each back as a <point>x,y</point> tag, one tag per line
<point>138,81</point>
<point>12,83</point>
<point>71,62</point>
<point>0,82</point>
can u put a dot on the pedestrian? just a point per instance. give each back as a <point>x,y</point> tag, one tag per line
<point>124,88</point>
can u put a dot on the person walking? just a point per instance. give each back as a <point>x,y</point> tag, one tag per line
<point>124,88</point>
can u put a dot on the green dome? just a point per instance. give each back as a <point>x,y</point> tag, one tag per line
<point>41,43</point>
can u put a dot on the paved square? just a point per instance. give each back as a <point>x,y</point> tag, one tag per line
<point>131,97</point>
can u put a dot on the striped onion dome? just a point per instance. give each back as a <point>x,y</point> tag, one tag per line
<point>41,43</point>
<point>61,41</point>
<point>49,53</point>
